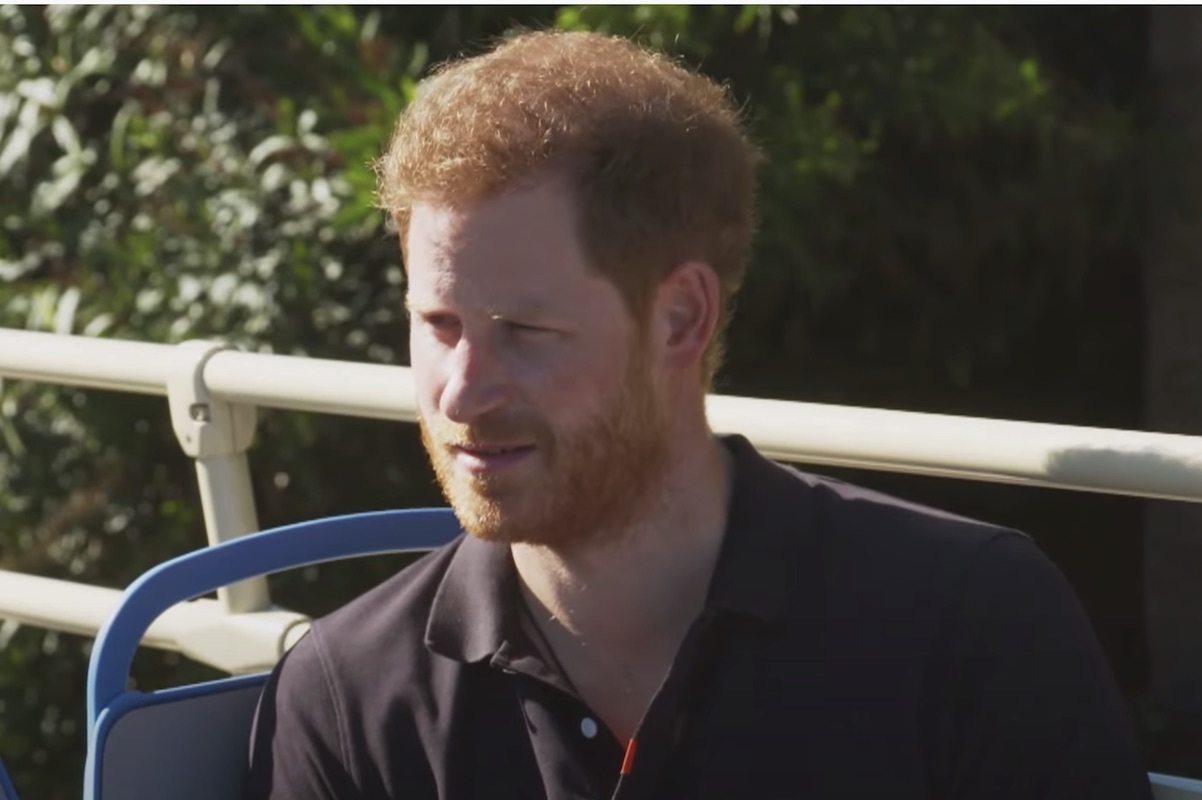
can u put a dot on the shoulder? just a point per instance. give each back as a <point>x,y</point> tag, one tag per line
<point>895,548</point>
<point>863,521</point>
<point>955,582</point>
<point>348,693</point>
<point>860,554</point>
<point>364,655</point>
<point>878,559</point>
<point>857,527</point>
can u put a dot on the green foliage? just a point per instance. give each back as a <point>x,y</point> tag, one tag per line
<point>161,185</point>
<point>929,190</point>
<point>932,202</point>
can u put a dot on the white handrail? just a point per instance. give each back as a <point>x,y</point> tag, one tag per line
<point>311,384</point>
<point>1103,460</point>
<point>1158,465</point>
<point>1092,459</point>
<point>123,366</point>
<point>201,629</point>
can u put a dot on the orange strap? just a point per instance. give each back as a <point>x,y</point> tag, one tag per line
<point>628,759</point>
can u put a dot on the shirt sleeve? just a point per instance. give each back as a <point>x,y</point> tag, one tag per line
<point>296,750</point>
<point>1026,706</point>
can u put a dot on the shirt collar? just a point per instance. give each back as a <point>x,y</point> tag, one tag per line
<point>474,607</point>
<point>769,552</point>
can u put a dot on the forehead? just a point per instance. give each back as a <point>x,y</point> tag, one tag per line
<point>519,244</point>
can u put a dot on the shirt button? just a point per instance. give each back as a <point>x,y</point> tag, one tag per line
<point>588,726</point>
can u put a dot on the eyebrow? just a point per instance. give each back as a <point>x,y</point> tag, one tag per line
<point>524,308</point>
<point>521,309</point>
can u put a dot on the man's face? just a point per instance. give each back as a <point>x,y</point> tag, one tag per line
<point>537,399</point>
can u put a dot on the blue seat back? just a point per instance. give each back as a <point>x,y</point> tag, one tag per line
<point>1170,787</point>
<point>191,742</point>
<point>7,792</point>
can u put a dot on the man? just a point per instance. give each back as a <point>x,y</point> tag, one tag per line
<point>640,609</point>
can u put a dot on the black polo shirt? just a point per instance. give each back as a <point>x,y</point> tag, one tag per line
<point>852,646</point>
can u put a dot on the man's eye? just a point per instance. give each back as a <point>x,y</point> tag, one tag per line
<point>525,329</point>
<point>441,323</point>
<point>440,320</point>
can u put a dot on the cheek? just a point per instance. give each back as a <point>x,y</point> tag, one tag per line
<point>560,367</point>
<point>580,385</point>
<point>536,378</point>
<point>426,373</point>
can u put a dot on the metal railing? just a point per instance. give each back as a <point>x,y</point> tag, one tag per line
<point>212,392</point>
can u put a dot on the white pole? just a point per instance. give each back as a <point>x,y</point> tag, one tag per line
<point>217,434</point>
<point>227,497</point>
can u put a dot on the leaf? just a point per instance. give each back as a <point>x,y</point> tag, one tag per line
<point>50,195</point>
<point>40,91</point>
<point>29,124</point>
<point>271,146</point>
<point>64,312</point>
<point>64,133</point>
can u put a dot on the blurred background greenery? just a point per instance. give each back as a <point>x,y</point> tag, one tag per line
<point>955,219</point>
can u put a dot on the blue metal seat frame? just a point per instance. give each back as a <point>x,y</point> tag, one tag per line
<point>1170,787</point>
<point>191,742</point>
<point>7,792</point>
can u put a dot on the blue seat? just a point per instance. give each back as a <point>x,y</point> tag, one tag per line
<point>191,742</point>
<point>1169,787</point>
<point>7,792</point>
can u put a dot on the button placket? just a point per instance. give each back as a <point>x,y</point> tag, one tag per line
<point>558,725</point>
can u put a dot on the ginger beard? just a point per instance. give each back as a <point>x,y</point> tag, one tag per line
<point>583,483</point>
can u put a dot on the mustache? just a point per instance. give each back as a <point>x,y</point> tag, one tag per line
<point>490,428</point>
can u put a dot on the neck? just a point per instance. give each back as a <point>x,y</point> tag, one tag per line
<point>638,592</point>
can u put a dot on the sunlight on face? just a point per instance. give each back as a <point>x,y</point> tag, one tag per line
<point>537,402</point>
<point>582,481</point>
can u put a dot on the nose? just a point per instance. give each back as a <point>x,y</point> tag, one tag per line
<point>475,383</point>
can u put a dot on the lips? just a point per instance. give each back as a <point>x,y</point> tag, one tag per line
<point>482,458</point>
<point>494,450</point>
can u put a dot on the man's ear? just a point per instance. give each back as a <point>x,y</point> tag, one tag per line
<point>685,313</point>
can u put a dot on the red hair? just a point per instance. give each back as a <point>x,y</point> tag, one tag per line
<point>662,169</point>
